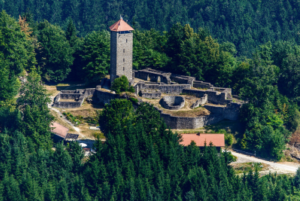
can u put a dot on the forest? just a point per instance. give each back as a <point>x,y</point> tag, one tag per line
<point>251,47</point>
<point>246,23</point>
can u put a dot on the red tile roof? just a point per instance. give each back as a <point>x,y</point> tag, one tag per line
<point>59,130</point>
<point>120,25</point>
<point>216,139</point>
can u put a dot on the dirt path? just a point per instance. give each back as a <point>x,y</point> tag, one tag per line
<point>284,168</point>
<point>63,117</point>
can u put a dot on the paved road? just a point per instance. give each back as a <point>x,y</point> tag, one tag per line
<point>274,167</point>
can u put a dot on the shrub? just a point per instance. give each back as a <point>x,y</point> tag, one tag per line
<point>121,84</point>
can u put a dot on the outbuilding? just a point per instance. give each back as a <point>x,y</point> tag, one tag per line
<point>217,140</point>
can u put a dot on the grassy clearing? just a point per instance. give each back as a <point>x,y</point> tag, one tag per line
<point>246,167</point>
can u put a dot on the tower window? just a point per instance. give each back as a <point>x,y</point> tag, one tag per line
<point>123,68</point>
<point>126,40</point>
<point>123,50</point>
<point>123,60</point>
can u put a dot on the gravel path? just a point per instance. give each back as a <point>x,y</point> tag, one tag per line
<point>287,167</point>
<point>63,117</point>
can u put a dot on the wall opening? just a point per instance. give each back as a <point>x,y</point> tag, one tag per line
<point>123,50</point>
<point>126,40</point>
<point>124,60</point>
<point>123,68</point>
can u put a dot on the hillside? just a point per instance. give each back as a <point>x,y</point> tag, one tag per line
<point>245,23</point>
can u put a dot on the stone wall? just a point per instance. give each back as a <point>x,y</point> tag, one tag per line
<point>230,112</point>
<point>173,102</point>
<point>181,79</point>
<point>153,75</point>
<point>201,84</point>
<point>70,96</point>
<point>214,97</point>
<point>217,114</point>
<point>104,96</point>
<point>152,94</point>
<point>189,122</point>
<point>201,101</point>
<point>66,104</point>
<point>77,95</point>
<point>175,89</point>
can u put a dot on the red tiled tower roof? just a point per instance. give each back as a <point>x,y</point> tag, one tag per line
<point>216,139</point>
<point>121,25</point>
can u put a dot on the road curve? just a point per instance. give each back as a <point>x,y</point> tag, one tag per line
<point>274,167</point>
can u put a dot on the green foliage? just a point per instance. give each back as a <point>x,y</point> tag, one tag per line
<point>199,55</point>
<point>121,84</point>
<point>115,114</point>
<point>95,55</point>
<point>134,100</point>
<point>36,120</point>
<point>75,120</point>
<point>54,54</point>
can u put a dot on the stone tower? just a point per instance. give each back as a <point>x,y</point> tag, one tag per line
<point>121,40</point>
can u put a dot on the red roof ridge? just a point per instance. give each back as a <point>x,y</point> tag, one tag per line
<point>121,25</point>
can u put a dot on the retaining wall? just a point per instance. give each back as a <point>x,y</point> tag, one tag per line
<point>189,122</point>
<point>217,114</point>
<point>104,97</point>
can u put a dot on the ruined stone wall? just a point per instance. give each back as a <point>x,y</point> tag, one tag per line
<point>181,79</point>
<point>153,94</point>
<point>217,114</point>
<point>214,97</point>
<point>231,112</point>
<point>201,84</point>
<point>77,95</point>
<point>104,96</point>
<point>152,76</point>
<point>173,102</point>
<point>175,89</point>
<point>61,104</point>
<point>69,96</point>
<point>189,122</point>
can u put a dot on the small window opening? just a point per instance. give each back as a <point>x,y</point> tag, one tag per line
<point>123,68</point>
<point>126,40</point>
<point>123,60</point>
<point>123,50</point>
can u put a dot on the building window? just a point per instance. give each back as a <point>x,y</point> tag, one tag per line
<point>123,68</point>
<point>123,50</point>
<point>123,60</point>
<point>126,40</point>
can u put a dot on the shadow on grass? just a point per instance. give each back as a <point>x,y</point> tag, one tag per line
<point>233,127</point>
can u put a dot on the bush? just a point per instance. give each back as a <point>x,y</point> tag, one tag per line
<point>121,84</point>
<point>134,100</point>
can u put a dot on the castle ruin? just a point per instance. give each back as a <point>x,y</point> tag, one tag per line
<point>172,91</point>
